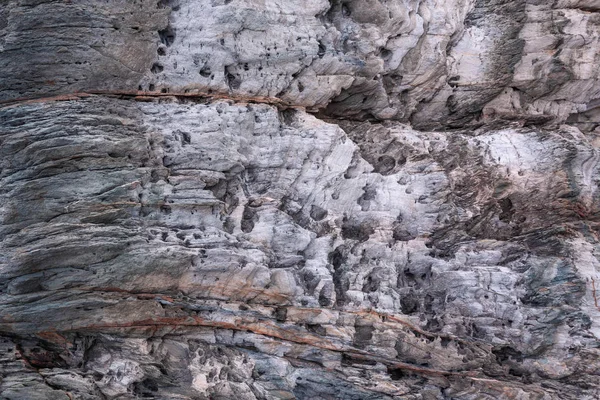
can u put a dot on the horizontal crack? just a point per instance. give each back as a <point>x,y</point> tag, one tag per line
<point>260,324</point>
<point>367,313</point>
<point>145,96</point>
<point>267,328</point>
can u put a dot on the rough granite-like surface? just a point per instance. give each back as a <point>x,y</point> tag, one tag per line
<point>286,199</point>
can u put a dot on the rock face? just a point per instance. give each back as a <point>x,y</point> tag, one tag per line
<point>285,199</point>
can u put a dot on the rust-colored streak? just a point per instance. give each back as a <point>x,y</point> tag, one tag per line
<point>375,316</point>
<point>31,100</point>
<point>386,317</point>
<point>267,328</point>
<point>594,294</point>
<point>148,96</point>
<point>54,337</point>
<point>195,94</point>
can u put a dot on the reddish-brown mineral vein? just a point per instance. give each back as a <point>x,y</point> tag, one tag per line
<point>144,95</point>
<point>266,328</point>
<point>594,293</point>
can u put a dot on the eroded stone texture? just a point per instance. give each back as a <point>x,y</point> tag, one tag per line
<point>435,64</point>
<point>426,230</point>
<point>53,47</point>
<point>196,226</point>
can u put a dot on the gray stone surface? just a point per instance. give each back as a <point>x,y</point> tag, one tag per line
<point>299,200</point>
<point>436,64</point>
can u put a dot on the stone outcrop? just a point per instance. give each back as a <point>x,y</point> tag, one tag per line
<point>271,199</point>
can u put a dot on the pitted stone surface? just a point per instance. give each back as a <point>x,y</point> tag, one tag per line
<point>273,231</point>
<point>435,64</point>
<point>299,200</point>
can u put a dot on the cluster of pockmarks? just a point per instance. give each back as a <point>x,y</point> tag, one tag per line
<point>368,59</point>
<point>507,245</point>
<point>247,162</point>
<point>86,367</point>
<point>467,63</point>
<point>156,218</point>
<point>402,50</point>
<point>248,49</point>
<point>278,352</point>
<point>463,63</point>
<point>91,45</point>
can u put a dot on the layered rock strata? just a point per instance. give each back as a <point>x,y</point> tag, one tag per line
<point>299,199</point>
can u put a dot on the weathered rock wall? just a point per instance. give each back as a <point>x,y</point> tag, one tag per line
<point>299,199</point>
